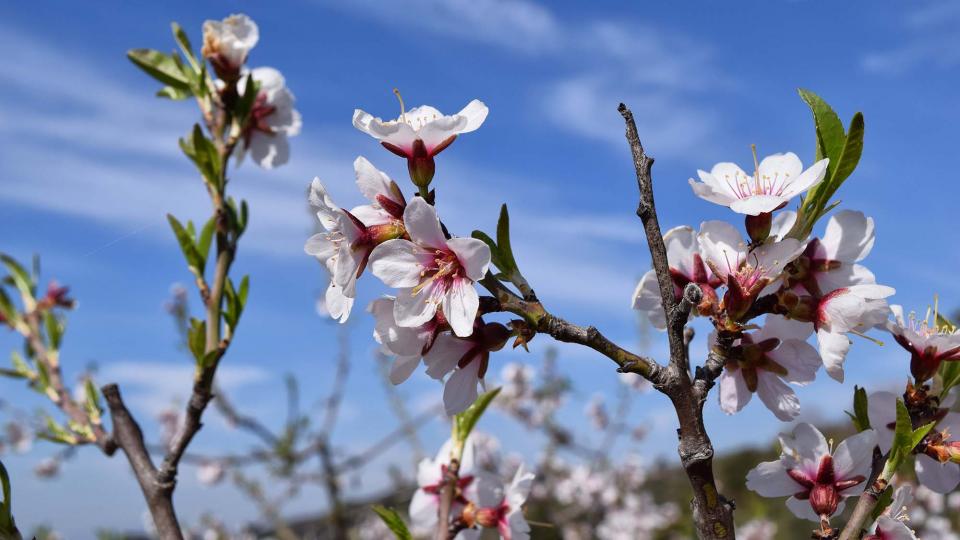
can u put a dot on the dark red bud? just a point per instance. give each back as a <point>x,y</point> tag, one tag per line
<point>758,227</point>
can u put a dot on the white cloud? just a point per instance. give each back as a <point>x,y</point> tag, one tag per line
<point>150,387</point>
<point>932,40</point>
<point>513,24</point>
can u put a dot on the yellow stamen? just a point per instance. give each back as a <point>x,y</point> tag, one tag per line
<point>403,111</point>
<point>866,337</point>
<point>936,314</point>
<point>756,167</point>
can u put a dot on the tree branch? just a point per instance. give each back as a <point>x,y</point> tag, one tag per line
<point>713,515</point>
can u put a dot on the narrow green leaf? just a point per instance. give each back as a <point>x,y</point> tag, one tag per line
<point>494,250</point>
<point>860,417</point>
<point>886,497</point>
<point>245,104</point>
<point>189,249</point>
<point>391,518</point>
<point>949,377</point>
<point>184,43</point>
<point>919,434</point>
<point>54,327</point>
<point>503,241</point>
<point>206,237</point>
<point>20,365</point>
<point>19,276</point>
<point>13,374</point>
<point>7,527</point>
<point>160,66</point>
<point>465,421</point>
<point>830,132</point>
<point>92,403</point>
<point>243,291</point>
<point>176,94</point>
<point>197,339</point>
<point>7,309</point>
<point>852,150</point>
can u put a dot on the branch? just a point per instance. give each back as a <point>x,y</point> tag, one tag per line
<point>128,437</point>
<point>863,513</point>
<point>713,515</point>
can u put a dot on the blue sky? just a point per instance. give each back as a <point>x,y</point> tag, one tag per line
<point>89,166</point>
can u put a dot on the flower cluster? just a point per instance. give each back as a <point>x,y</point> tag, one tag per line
<point>434,313</point>
<point>272,117</point>
<point>482,500</point>
<point>802,286</point>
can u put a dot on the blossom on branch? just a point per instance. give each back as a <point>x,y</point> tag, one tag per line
<point>227,43</point>
<point>763,362</point>
<point>890,525</point>
<point>830,262</point>
<point>431,272</point>
<point>776,180</point>
<point>498,506</point>
<point>465,360</point>
<point>816,479</point>
<point>421,133</point>
<point>431,476</point>
<point>350,237</point>
<point>272,119</point>
<point>686,266</point>
<point>853,309</point>
<point>929,343</point>
<point>407,344</point>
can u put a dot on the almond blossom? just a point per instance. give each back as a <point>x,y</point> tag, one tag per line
<point>776,180</point>
<point>421,133</point>
<point>937,467</point>
<point>272,119</point>
<point>816,479</point>
<point>227,43</point>
<point>830,262</point>
<point>747,271</point>
<point>349,237</point>
<point>431,272</point>
<point>763,362</point>
<point>465,360</point>
<point>498,506</point>
<point>851,309</point>
<point>890,525</point>
<point>431,477</point>
<point>408,345</point>
<point>686,266</point>
<point>928,343</point>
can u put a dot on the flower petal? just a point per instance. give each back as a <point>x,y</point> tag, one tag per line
<point>414,309</point>
<point>854,457</point>
<point>460,390</point>
<point>882,412</point>
<point>475,112</point>
<point>473,254</point>
<point>402,367</point>
<point>833,350</point>
<point>770,479</point>
<point>939,477</point>
<point>734,394</point>
<point>460,306</point>
<point>777,396</point>
<point>398,263</point>
<point>755,205</point>
<point>446,352</point>
<point>646,298</point>
<point>423,225</point>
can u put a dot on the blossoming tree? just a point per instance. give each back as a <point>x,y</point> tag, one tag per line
<point>782,298</point>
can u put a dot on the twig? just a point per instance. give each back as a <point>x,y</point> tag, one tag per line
<point>713,515</point>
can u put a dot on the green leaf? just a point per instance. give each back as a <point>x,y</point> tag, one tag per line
<point>393,522</point>
<point>189,249</point>
<point>204,155</point>
<point>494,251</point>
<point>919,434</point>
<point>465,421</point>
<point>503,241</point>
<point>170,92</point>
<point>206,236</point>
<point>8,529</point>
<point>861,420</point>
<point>184,43</point>
<point>160,66</point>
<point>7,310</point>
<point>19,276</point>
<point>830,135</point>
<point>949,377</point>
<point>245,104</point>
<point>57,433</point>
<point>20,365</point>
<point>13,374</point>
<point>197,339</point>
<point>850,156</point>
<point>905,439</point>
<point>54,328</point>
<point>92,404</point>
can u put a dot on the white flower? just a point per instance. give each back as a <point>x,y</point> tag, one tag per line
<point>211,472</point>
<point>764,362</point>
<point>19,436</point>
<point>499,506</point>
<point>890,525</point>
<point>425,124</point>
<point>597,413</point>
<point>778,179</point>
<point>272,119</point>
<point>432,272</point>
<point>431,475</point>
<point>349,237</point>
<point>467,358</point>
<point>939,476</point>
<point>807,469</point>
<point>848,309</point>
<point>408,345</point>
<point>830,262</point>
<point>686,266</point>
<point>929,343</point>
<point>228,42</point>
<point>47,468</point>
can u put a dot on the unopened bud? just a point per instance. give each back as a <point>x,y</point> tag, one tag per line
<point>824,499</point>
<point>420,165</point>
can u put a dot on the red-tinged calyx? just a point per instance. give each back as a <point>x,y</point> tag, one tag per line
<point>758,227</point>
<point>752,357</point>
<point>462,483</point>
<point>797,307</point>
<point>925,361</point>
<point>56,296</point>
<point>823,491</point>
<point>486,338</point>
<point>804,269</point>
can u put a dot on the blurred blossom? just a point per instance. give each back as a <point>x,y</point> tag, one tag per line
<point>47,468</point>
<point>635,381</point>
<point>169,420</point>
<point>19,437</point>
<point>211,472</point>
<point>596,412</point>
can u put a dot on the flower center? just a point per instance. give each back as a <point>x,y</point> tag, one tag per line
<point>442,269</point>
<point>260,112</point>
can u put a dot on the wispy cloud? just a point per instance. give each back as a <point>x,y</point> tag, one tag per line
<point>932,40</point>
<point>659,73</point>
